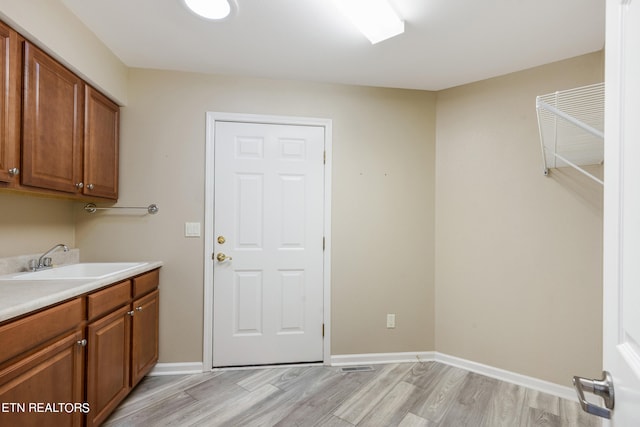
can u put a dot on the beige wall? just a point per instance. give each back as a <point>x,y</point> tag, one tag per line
<point>518,255</point>
<point>41,22</point>
<point>382,205</point>
<point>31,225</point>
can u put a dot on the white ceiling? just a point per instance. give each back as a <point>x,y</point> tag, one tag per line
<point>446,42</point>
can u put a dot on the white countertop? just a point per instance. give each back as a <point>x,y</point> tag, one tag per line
<point>18,297</point>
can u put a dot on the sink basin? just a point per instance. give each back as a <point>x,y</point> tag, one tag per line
<point>88,270</point>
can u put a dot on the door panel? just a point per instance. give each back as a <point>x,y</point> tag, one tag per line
<point>247,307</point>
<point>250,211</point>
<point>292,296</point>
<point>269,204</point>
<point>292,214</point>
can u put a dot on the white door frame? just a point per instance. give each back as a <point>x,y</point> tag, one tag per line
<point>211,119</point>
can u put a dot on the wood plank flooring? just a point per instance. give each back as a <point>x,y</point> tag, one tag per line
<point>406,395</point>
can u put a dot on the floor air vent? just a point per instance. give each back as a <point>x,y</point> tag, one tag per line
<point>357,369</point>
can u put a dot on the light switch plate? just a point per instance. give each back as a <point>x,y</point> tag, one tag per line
<point>391,321</point>
<point>191,229</point>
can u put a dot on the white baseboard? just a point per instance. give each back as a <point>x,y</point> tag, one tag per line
<point>406,357</point>
<point>468,365</point>
<point>377,358</point>
<point>177,368</point>
<point>508,376</point>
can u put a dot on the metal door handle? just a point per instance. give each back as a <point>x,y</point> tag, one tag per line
<point>222,257</point>
<point>602,388</point>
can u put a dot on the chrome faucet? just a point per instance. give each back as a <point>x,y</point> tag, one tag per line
<point>45,261</point>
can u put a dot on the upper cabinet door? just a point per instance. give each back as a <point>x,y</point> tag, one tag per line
<point>52,126</point>
<point>9,105</point>
<point>101,130</point>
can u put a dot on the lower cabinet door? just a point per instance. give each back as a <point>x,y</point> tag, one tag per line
<point>46,387</point>
<point>108,354</point>
<point>144,351</point>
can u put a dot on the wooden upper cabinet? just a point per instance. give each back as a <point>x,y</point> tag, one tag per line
<point>52,124</point>
<point>58,135</point>
<point>102,117</point>
<point>10,63</point>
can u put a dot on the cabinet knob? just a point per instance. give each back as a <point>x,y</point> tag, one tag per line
<point>82,343</point>
<point>131,313</point>
<point>14,171</point>
<point>79,185</point>
<point>90,186</point>
<point>139,308</point>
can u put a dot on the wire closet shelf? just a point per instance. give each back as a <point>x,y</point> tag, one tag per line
<point>571,125</point>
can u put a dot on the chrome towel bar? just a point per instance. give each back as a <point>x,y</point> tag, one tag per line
<point>92,208</point>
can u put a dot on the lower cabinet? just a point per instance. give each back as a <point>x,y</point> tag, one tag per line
<point>144,340</point>
<point>122,345</point>
<point>73,363</point>
<point>108,350</point>
<point>46,387</point>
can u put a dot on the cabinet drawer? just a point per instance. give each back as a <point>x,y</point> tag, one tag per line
<point>24,334</point>
<point>106,300</point>
<point>146,283</point>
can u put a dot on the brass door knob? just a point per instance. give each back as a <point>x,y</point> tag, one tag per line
<point>222,257</point>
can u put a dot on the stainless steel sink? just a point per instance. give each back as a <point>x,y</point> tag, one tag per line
<point>88,270</point>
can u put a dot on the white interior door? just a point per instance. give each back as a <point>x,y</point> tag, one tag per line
<point>621,326</point>
<point>268,244</point>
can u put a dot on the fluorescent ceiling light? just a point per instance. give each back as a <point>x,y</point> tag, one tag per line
<point>210,9</point>
<point>376,19</point>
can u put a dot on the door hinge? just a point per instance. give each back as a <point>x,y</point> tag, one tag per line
<point>324,157</point>
<point>323,243</point>
<point>323,329</point>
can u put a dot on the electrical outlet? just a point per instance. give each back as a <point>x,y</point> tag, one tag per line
<point>391,321</point>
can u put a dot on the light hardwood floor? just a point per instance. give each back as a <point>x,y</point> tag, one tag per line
<point>407,394</point>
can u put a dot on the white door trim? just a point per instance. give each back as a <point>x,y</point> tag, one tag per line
<point>211,119</point>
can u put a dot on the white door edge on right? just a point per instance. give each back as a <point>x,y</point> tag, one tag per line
<point>621,263</point>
